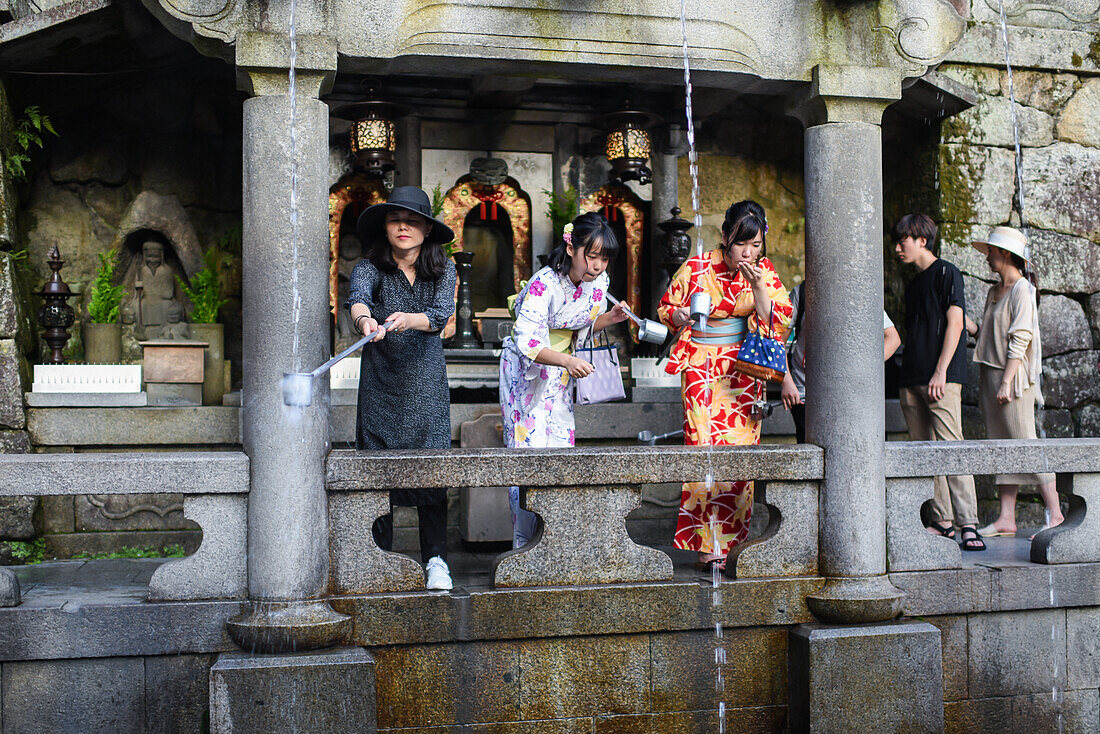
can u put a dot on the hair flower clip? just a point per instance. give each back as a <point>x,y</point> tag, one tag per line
<point>567,234</point>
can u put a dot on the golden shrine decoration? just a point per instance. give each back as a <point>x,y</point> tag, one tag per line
<point>468,194</point>
<point>616,202</point>
<point>351,195</point>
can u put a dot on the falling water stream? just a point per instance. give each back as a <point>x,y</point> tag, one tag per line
<point>697,219</point>
<point>1056,694</point>
<point>294,226</point>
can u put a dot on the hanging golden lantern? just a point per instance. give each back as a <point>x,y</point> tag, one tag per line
<point>629,146</point>
<point>373,141</point>
<point>372,135</point>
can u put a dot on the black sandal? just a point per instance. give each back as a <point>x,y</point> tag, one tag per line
<point>945,530</point>
<point>971,538</point>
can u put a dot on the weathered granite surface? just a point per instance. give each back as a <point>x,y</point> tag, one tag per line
<point>1077,540</point>
<point>17,517</point>
<point>215,472</point>
<point>1063,326</point>
<point>909,547</point>
<point>998,644</point>
<point>210,425</point>
<point>926,459</point>
<point>9,588</point>
<point>788,546</point>
<point>100,696</point>
<point>351,470</point>
<point>11,385</point>
<point>358,565</point>
<point>1071,379</point>
<point>218,569</point>
<point>845,678</point>
<point>330,690</point>
<point>574,548</point>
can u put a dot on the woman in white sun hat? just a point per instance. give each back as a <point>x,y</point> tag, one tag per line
<point>1010,356</point>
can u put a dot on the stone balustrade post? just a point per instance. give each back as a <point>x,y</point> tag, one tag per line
<point>844,369</point>
<point>286,326</point>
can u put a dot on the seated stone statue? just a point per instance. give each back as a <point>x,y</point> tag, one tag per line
<point>155,304</point>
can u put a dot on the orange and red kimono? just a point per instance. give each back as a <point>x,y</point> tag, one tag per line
<point>712,521</point>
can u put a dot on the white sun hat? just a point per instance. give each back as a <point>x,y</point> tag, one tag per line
<point>1008,239</point>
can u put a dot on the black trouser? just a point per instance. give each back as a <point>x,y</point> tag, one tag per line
<point>432,522</point>
<point>798,413</point>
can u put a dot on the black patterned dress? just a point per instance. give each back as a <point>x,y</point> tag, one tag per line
<point>404,402</point>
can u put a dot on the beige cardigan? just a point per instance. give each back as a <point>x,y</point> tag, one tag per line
<point>1010,330</point>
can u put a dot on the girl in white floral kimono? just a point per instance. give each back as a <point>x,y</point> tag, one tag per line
<point>536,363</point>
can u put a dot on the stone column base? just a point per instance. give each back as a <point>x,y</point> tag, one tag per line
<point>865,678</point>
<point>313,691</point>
<point>280,627</point>
<point>857,600</point>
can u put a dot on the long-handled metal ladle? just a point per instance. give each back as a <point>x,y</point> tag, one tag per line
<point>298,386</point>
<point>649,330</point>
<point>649,439</point>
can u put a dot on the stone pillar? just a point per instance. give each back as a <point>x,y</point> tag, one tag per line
<point>287,505</point>
<point>409,154</point>
<point>898,683</point>
<point>844,376</point>
<point>666,195</point>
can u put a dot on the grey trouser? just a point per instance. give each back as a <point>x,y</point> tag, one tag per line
<point>941,420</point>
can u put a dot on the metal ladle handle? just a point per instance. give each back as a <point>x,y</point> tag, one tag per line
<point>323,368</point>
<point>626,309</point>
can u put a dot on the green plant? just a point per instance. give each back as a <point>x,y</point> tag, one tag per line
<point>437,207</point>
<point>27,553</point>
<point>561,208</point>
<point>437,200</point>
<point>106,296</point>
<point>27,134</point>
<point>173,550</point>
<point>205,290</point>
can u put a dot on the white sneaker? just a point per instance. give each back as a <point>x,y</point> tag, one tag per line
<point>439,575</point>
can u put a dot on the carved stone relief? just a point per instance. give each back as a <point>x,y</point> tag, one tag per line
<point>103,512</point>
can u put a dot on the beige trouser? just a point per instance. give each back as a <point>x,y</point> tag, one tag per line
<point>941,420</point>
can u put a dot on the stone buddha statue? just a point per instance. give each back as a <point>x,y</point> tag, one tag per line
<point>156,304</point>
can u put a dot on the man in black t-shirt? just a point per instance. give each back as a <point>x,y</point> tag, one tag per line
<point>933,369</point>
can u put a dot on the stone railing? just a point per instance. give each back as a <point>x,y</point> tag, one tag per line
<point>583,496</point>
<point>215,485</point>
<point>911,466</point>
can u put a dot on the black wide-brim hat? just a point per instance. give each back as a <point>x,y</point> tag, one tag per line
<point>371,222</point>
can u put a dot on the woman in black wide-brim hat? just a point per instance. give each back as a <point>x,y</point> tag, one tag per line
<point>406,285</point>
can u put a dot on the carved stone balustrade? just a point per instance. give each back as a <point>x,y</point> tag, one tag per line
<point>215,485</point>
<point>910,466</point>
<point>583,496</point>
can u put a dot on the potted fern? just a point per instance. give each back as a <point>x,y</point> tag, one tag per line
<point>102,333</point>
<point>205,294</point>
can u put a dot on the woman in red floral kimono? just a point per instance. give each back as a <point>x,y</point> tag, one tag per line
<point>745,291</point>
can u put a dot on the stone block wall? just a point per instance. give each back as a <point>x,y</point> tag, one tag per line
<point>1021,671</point>
<point>980,188</point>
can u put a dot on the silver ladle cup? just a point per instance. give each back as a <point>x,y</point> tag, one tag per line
<point>298,386</point>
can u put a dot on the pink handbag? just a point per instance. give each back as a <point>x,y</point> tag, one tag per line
<point>606,381</point>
